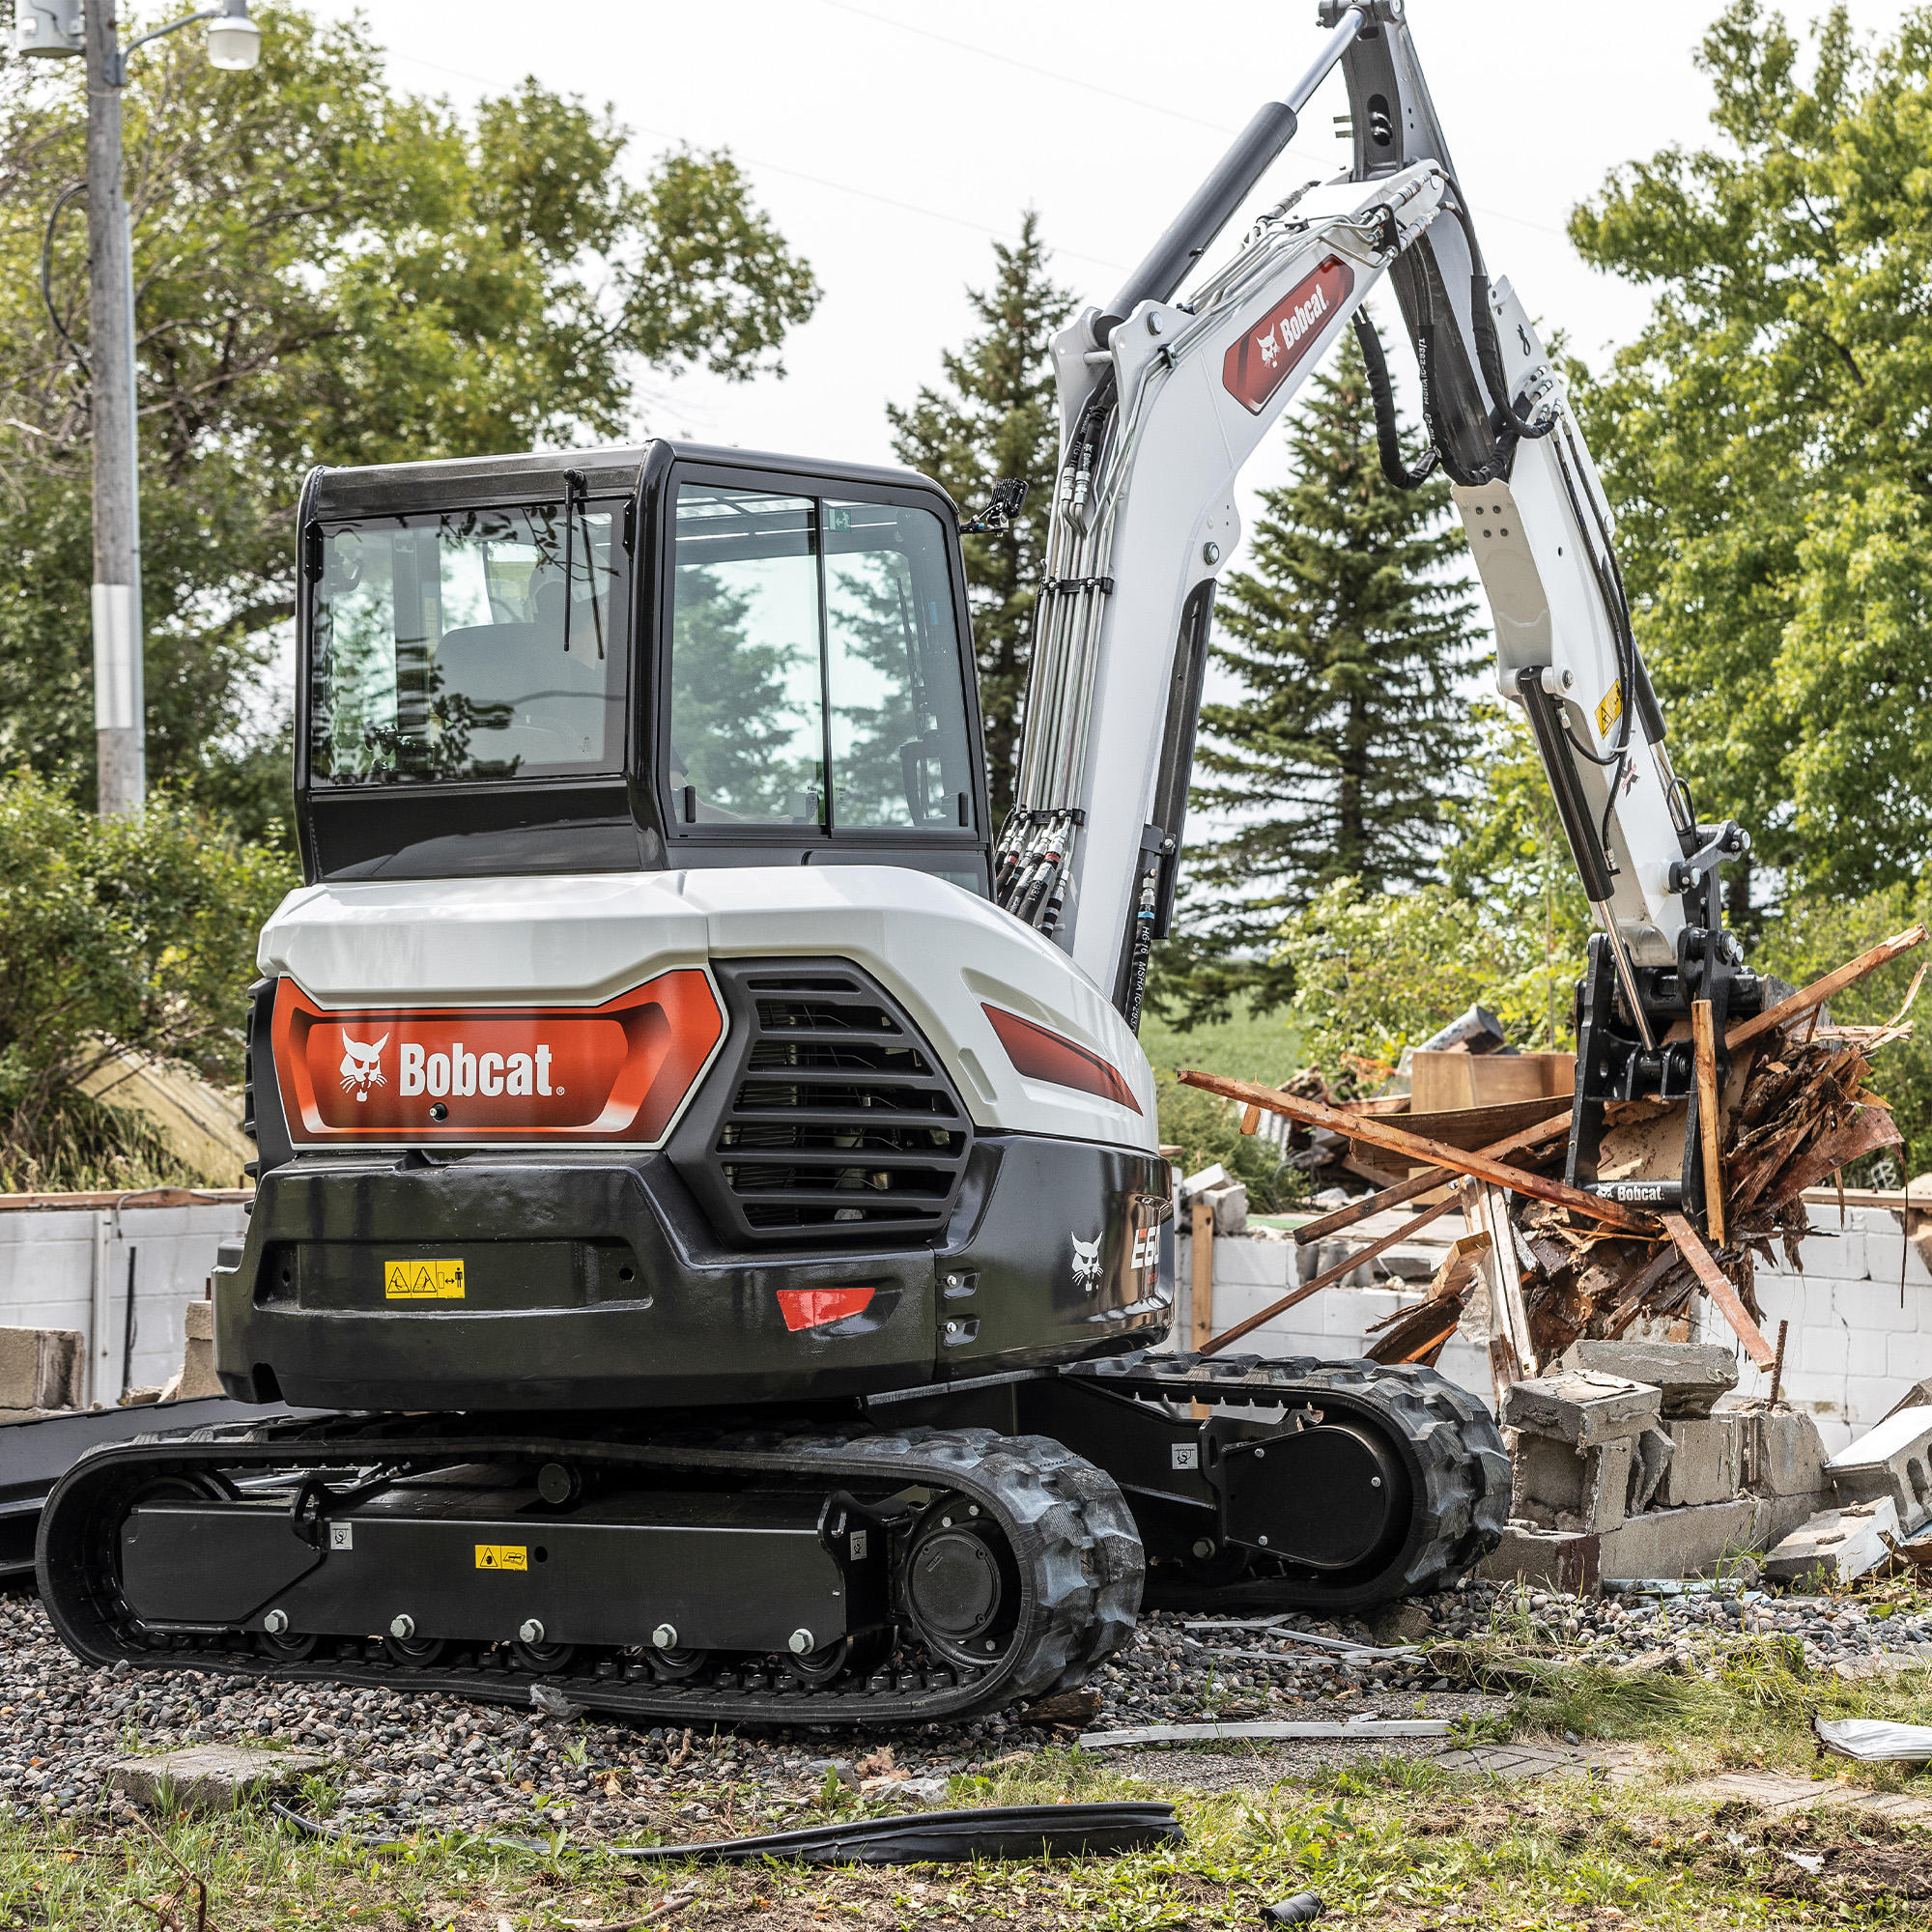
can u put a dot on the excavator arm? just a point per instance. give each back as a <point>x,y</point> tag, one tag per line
<point>1163,403</point>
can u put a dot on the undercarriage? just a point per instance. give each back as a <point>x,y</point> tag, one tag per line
<point>877,1569</point>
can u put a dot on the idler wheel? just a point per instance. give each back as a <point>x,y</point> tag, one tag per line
<point>960,1583</point>
<point>543,1657</point>
<point>678,1664</point>
<point>286,1646</point>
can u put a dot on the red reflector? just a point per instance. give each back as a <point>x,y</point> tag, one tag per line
<point>814,1307</point>
<point>1042,1055</point>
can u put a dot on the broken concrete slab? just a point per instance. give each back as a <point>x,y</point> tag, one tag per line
<point>42,1368</point>
<point>1893,1460</point>
<point>1560,1487</point>
<point>1692,1375</point>
<point>198,1321</point>
<point>1580,1407</point>
<point>208,1777</point>
<point>1918,1395</point>
<point>1650,1465</point>
<point>1784,1455</point>
<point>1565,1560</point>
<point>1706,1461</point>
<point>1844,1543</point>
<point>1691,1542</point>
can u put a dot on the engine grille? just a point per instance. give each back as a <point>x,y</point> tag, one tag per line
<point>838,1117</point>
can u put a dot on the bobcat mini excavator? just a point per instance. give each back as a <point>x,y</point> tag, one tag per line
<point>712,1179</point>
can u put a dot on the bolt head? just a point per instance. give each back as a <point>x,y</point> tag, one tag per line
<point>403,1625</point>
<point>530,1630</point>
<point>275,1622</point>
<point>801,1642</point>
<point>1210,553</point>
<point>1204,1548</point>
<point>1153,324</point>
<point>1374,1481</point>
<point>664,1637</point>
<point>1261,1540</point>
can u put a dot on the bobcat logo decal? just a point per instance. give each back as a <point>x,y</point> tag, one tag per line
<point>1086,1265</point>
<point>362,1066</point>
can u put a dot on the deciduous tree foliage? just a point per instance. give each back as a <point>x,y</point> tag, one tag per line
<point>327,270</point>
<point>1768,440</point>
<point>997,416</point>
<point>1348,633</point>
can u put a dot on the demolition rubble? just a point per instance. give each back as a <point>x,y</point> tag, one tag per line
<point>1637,1452</point>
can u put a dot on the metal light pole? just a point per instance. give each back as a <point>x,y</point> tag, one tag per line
<point>234,40</point>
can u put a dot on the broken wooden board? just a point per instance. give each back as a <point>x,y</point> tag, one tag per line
<point>1422,1152</point>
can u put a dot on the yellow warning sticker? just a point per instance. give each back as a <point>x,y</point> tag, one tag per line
<point>1610,709</point>
<point>503,1556</point>
<point>422,1281</point>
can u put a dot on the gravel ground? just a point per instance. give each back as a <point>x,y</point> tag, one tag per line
<point>445,1761</point>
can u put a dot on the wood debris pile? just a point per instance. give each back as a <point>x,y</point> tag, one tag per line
<point>1797,1107</point>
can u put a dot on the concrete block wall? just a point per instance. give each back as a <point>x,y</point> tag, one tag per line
<point>1333,1325</point>
<point>48,1263</point>
<point>1860,1316</point>
<point>1858,1340</point>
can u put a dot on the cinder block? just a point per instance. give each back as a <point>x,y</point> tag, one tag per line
<point>1866,1352</point>
<point>1263,1264</point>
<point>1690,1374</point>
<point>1835,1257</point>
<point>1824,1351</point>
<point>1581,1409</point>
<point>1785,1454</point>
<point>1679,1542</point>
<point>198,1321</point>
<point>1887,1254</point>
<point>1560,1487</point>
<point>1843,1542</point>
<point>1554,1559</point>
<point>42,1368</point>
<point>1409,1261</point>
<point>1893,1461</point>
<point>1706,1463</point>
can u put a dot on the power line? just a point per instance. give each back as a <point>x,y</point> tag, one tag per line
<point>815,181</point>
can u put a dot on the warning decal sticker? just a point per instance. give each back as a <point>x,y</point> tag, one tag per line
<point>503,1556</point>
<point>422,1281</point>
<point>1610,709</point>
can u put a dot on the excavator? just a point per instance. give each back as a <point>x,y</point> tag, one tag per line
<point>708,1175</point>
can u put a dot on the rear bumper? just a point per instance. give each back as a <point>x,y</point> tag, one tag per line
<point>594,1281</point>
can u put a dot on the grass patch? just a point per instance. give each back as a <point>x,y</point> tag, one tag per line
<point>1392,1845</point>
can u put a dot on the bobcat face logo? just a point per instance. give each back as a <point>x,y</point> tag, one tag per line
<point>362,1066</point>
<point>1086,1265</point>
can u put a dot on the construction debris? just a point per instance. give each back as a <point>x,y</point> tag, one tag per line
<point>1874,1739</point>
<point>1843,1544</point>
<point>1892,1460</point>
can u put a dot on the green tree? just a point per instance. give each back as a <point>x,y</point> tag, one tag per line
<point>120,930</point>
<point>996,417</point>
<point>1768,441</point>
<point>327,270</point>
<point>1349,635</point>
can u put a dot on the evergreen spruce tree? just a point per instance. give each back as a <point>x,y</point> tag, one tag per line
<point>997,416</point>
<point>1350,634</point>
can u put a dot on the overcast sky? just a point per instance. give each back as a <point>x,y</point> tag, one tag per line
<point>891,141</point>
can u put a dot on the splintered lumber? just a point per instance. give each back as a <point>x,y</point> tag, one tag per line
<point>1421,1183</point>
<point>1422,1152</point>
<point>1721,1289</point>
<point>1704,1031</point>
<point>1202,1284</point>
<point>1326,1279</point>
<point>1820,990</point>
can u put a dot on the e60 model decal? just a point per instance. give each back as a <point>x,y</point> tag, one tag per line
<point>1260,362</point>
<point>614,1073</point>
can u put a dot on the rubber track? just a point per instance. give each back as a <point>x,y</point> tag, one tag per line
<point>1459,1471</point>
<point>1069,1528</point>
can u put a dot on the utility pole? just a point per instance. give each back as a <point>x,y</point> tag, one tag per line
<point>59,29</point>
<point>120,734</point>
